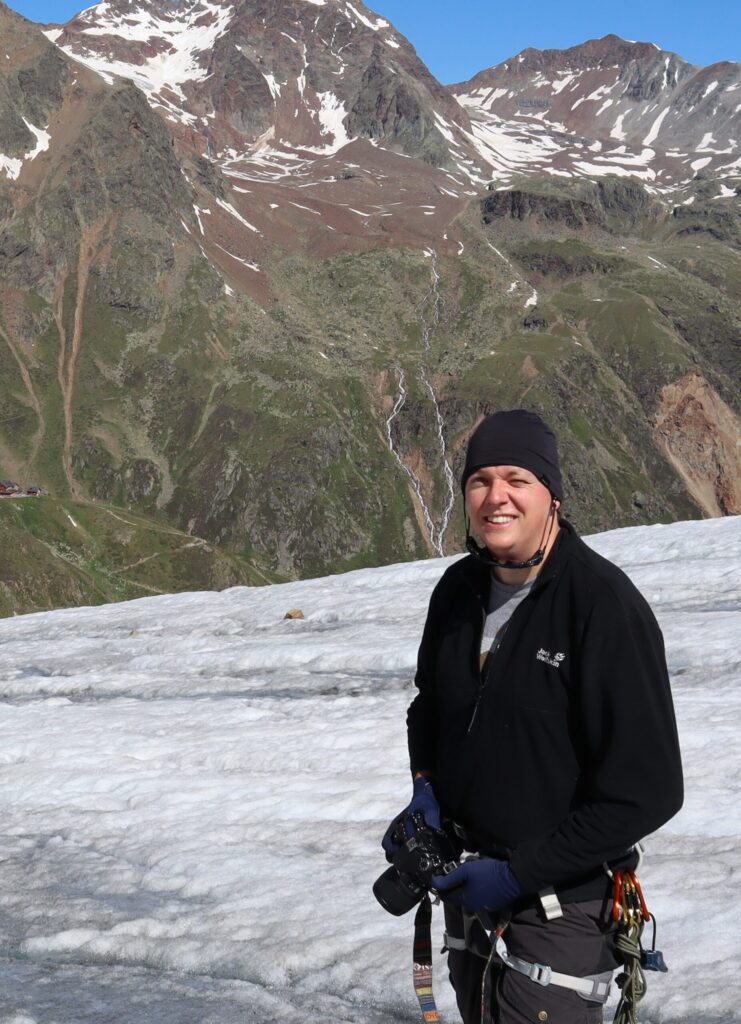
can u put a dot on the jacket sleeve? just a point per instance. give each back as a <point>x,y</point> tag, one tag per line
<point>631,773</point>
<point>422,713</point>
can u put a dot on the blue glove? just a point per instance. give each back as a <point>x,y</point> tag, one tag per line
<point>423,800</point>
<point>484,884</point>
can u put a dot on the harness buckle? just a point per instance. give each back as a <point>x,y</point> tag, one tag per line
<point>540,974</point>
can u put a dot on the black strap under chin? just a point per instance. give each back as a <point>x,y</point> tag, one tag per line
<point>485,556</point>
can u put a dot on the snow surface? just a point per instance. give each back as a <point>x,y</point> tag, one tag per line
<point>196,788</point>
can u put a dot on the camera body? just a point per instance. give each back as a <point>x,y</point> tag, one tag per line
<point>422,852</point>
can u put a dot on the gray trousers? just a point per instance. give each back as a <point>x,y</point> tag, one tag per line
<point>579,943</point>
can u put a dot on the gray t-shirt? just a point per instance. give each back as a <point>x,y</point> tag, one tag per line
<point>503,599</point>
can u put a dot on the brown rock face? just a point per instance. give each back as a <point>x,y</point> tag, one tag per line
<point>701,436</point>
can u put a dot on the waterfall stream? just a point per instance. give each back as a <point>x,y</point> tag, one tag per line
<point>429,322</point>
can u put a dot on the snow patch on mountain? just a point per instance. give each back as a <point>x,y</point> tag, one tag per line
<point>12,166</point>
<point>512,146</point>
<point>608,91</point>
<point>198,211</point>
<point>181,39</point>
<point>239,259</point>
<point>332,113</point>
<point>697,165</point>
<point>237,215</point>
<point>272,85</point>
<point>379,23</point>
<point>656,127</point>
<point>43,138</point>
<point>444,127</point>
<point>559,86</point>
<point>617,130</point>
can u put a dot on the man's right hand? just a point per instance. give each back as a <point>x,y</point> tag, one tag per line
<point>424,801</point>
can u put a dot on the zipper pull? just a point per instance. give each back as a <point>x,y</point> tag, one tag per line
<point>475,709</point>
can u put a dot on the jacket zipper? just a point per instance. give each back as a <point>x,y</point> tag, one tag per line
<point>482,685</point>
<point>493,651</point>
<point>485,679</point>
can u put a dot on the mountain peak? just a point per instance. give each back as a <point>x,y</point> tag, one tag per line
<point>313,73</point>
<point>608,51</point>
<point>288,80</point>
<point>608,106</point>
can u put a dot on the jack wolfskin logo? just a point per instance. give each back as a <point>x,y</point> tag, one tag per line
<point>554,660</point>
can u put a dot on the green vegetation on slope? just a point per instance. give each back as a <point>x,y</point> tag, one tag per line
<point>59,553</point>
<point>264,430</point>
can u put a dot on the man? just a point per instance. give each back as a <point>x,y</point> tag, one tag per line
<point>543,735</point>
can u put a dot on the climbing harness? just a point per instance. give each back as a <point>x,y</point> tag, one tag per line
<point>631,914</point>
<point>595,987</point>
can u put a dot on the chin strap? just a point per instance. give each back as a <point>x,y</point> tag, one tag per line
<point>485,556</point>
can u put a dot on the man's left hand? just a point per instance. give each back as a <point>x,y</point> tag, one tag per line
<point>484,884</point>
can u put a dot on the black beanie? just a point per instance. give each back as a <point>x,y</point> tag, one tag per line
<point>515,438</point>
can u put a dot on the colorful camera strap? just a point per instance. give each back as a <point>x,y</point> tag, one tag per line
<point>422,962</point>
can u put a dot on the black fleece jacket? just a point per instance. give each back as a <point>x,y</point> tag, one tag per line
<point>566,753</point>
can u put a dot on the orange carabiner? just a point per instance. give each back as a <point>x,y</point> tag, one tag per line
<point>645,913</point>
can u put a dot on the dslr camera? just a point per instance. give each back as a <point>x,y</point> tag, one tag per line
<point>422,852</point>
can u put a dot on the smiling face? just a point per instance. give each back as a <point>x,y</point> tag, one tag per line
<point>510,511</point>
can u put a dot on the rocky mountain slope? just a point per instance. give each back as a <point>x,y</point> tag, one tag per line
<point>289,72</point>
<point>260,273</point>
<point>609,107</point>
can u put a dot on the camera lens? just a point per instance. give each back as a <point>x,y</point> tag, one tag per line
<point>395,893</point>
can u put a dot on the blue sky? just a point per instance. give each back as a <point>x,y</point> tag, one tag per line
<point>457,38</point>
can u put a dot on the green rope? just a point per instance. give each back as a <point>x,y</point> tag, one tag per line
<point>632,981</point>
